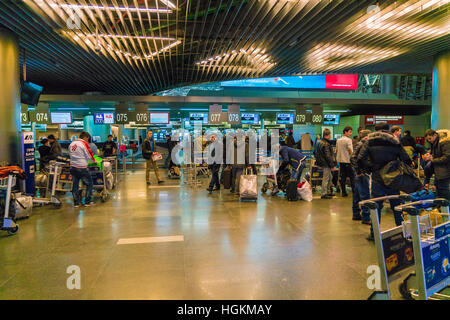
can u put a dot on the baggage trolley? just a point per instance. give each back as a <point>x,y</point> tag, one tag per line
<point>431,244</point>
<point>7,221</point>
<point>394,252</point>
<point>53,181</point>
<point>99,181</point>
<point>269,168</point>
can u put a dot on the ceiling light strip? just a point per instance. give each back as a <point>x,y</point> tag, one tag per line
<point>97,7</point>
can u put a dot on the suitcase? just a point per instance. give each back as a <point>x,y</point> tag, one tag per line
<point>248,186</point>
<point>23,205</point>
<point>226,178</point>
<point>291,190</point>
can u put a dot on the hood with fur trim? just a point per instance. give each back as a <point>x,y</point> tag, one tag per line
<point>444,135</point>
<point>382,138</point>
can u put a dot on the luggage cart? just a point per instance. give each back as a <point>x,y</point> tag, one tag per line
<point>99,181</point>
<point>394,252</point>
<point>269,169</point>
<point>431,279</point>
<point>54,172</point>
<point>7,222</point>
<point>114,163</point>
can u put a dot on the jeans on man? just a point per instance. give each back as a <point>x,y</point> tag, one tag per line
<point>379,190</point>
<point>84,175</point>
<point>297,174</point>
<point>236,178</point>
<point>214,176</point>
<point>361,192</point>
<point>443,188</point>
<point>346,171</point>
<point>326,181</point>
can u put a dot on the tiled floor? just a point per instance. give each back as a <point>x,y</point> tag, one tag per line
<point>269,249</point>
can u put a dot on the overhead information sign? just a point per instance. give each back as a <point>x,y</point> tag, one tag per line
<point>234,114</point>
<point>215,114</point>
<point>141,115</point>
<point>123,115</point>
<point>40,115</point>
<point>300,115</point>
<point>250,118</point>
<point>317,114</point>
<point>384,119</point>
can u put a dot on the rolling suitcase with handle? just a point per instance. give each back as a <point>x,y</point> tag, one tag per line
<point>226,178</point>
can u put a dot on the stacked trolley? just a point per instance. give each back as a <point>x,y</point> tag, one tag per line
<point>102,177</point>
<point>414,244</point>
<point>7,221</point>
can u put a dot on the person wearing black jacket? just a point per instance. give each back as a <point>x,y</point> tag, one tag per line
<point>213,163</point>
<point>381,148</point>
<point>407,139</point>
<point>440,160</point>
<point>44,151</point>
<point>238,166</point>
<point>362,181</point>
<point>148,150</point>
<point>327,161</point>
<point>55,148</point>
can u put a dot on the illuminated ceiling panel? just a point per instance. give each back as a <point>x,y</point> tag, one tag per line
<point>138,47</point>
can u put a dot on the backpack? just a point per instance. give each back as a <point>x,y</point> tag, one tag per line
<point>398,176</point>
<point>291,190</point>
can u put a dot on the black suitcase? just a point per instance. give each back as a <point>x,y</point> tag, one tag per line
<point>226,178</point>
<point>291,190</point>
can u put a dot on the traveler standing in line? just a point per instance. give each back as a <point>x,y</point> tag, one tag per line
<point>326,160</point>
<point>55,148</point>
<point>344,150</point>
<point>44,151</point>
<point>440,161</point>
<point>109,147</point>
<point>213,164</point>
<point>240,147</point>
<point>362,182</point>
<point>396,132</point>
<point>148,151</point>
<point>407,139</point>
<point>80,154</point>
<point>290,141</point>
<point>381,148</point>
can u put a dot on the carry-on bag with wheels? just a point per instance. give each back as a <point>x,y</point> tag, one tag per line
<point>226,178</point>
<point>291,190</point>
<point>23,205</point>
<point>248,186</point>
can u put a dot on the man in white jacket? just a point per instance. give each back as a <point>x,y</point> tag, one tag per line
<point>80,155</point>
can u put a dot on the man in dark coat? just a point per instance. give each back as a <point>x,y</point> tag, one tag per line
<point>326,159</point>
<point>440,160</point>
<point>381,148</point>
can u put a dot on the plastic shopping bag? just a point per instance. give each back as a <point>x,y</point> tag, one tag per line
<point>305,192</point>
<point>248,186</point>
<point>157,156</point>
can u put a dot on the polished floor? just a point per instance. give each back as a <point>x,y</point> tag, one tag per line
<point>172,242</point>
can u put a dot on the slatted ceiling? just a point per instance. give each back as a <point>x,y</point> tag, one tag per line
<point>238,39</point>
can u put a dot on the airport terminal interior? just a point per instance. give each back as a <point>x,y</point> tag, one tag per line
<point>224,150</point>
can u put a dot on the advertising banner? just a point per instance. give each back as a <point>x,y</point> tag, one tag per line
<point>28,162</point>
<point>436,262</point>
<point>398,252</point>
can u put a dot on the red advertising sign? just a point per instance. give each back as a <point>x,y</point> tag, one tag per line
<point>373,120</point>
<point>341,81</point>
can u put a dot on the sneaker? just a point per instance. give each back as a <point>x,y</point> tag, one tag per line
<point>370,237</point>
<point>356,218</point>
<point>366,222</point>
<point>89,204</point>
<point>325,196</point>
<point>209,190</point>
<point>216,189</point>
<point>76,205</point>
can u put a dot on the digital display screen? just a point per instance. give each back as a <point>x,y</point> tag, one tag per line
<point>198,118</point>
<point>285,118</point>
<point>339,81</point>
<point>104,118</point>
<point>331,119</point>
<point>249,118</point>
<point>159,118</point>
<point>61,117</point>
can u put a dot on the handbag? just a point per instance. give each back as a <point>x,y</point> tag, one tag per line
<point>248,186</point>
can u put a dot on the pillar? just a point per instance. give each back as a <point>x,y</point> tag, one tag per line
<point>440,110</point>
<point>389,84</point>
<point>10,144</point>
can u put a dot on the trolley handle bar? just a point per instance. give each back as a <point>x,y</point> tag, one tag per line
<point>372,203</point>
<point>410,209</point>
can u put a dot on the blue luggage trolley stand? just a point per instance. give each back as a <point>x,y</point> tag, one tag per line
<point>416,244</point>
<point>431,245</point>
